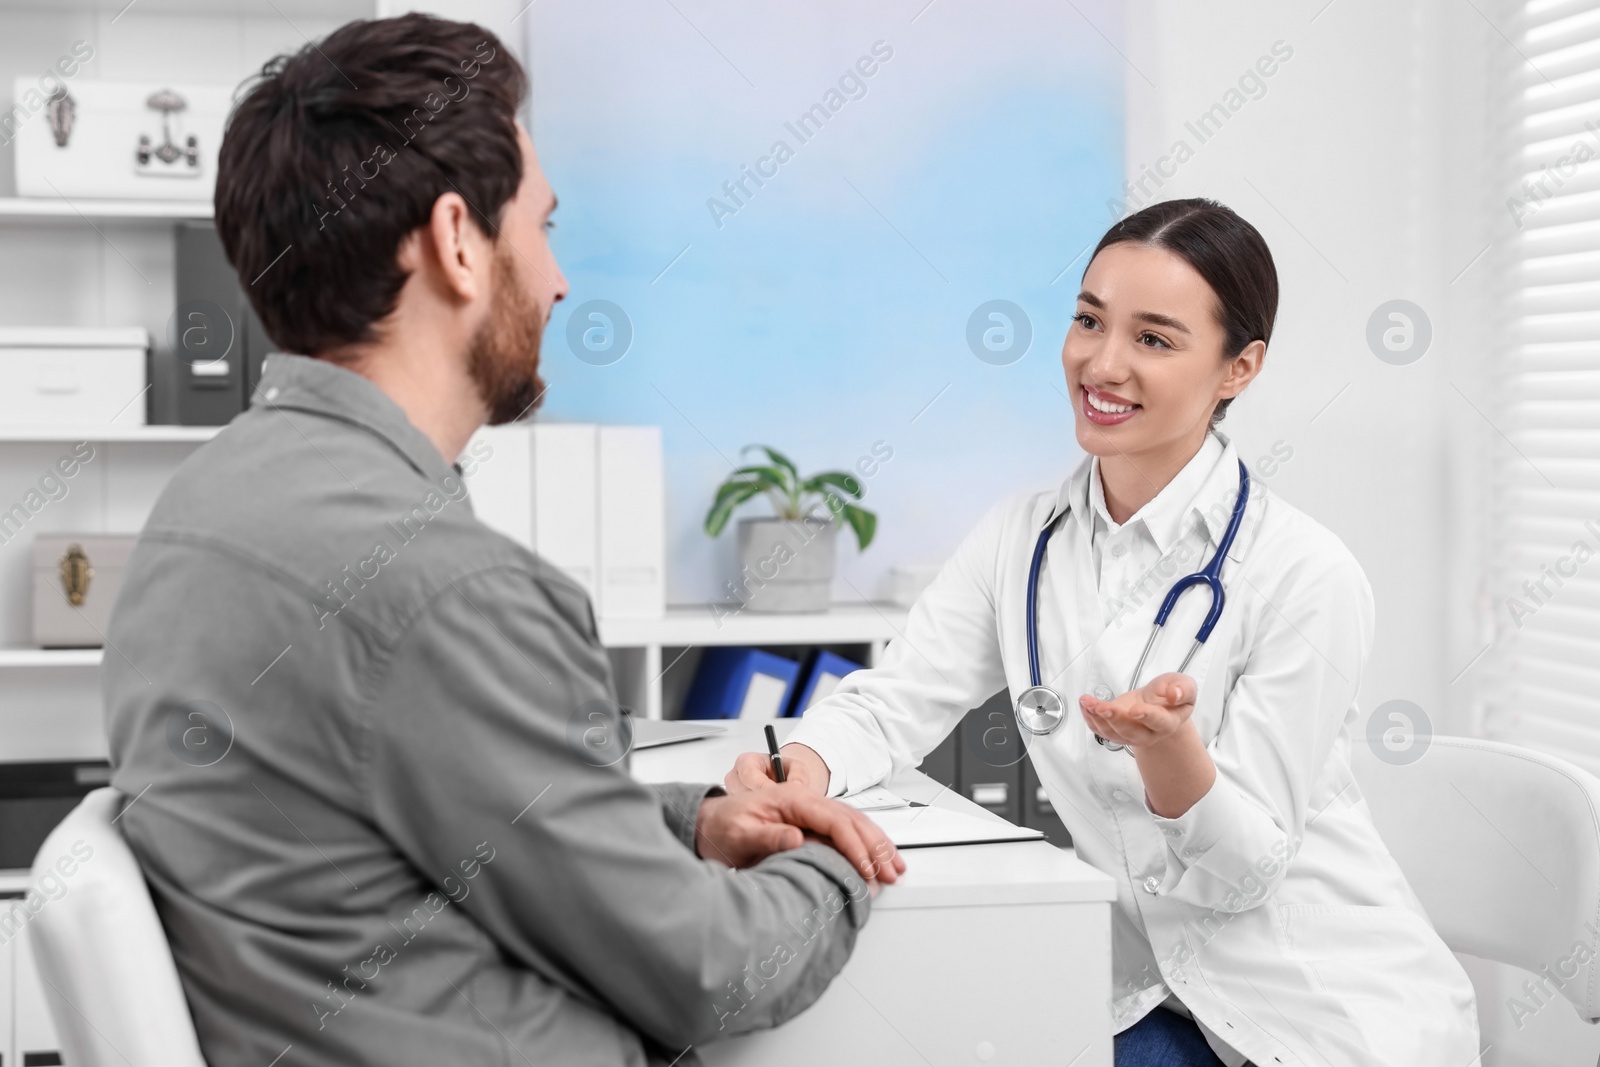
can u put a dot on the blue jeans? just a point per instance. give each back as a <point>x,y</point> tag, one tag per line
<point>1164,1039</point>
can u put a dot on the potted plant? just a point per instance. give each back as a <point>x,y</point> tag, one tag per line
<point>786,562</point>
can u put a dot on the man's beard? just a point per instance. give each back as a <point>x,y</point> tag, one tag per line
<point>503,357</point>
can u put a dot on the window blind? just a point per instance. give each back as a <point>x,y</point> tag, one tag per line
<point>1545,489</point>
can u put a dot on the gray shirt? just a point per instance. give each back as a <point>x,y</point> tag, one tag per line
<point>355,728</point>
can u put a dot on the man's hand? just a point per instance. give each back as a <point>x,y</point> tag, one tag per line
<point>743,830</point>
<point>1155,712</point>
<point>801,765</point>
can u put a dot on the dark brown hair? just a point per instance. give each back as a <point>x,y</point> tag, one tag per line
<point>334,154</point>
<point>1226,251</point>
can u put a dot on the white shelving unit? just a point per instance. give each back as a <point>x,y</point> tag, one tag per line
<point>50,706</point>
<point>298,9</point>
<point>653,660</point>
<point>50,657</point>
<point>109,434</point>
<point>50,209</point>
<point>724,624</point>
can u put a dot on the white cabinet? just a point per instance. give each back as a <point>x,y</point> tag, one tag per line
<point>8,986</point>
<point>27,1033</point>
<point>33,1034</point>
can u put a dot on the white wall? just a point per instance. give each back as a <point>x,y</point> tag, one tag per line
<point>1366,164</point>
<point>1339,164</point>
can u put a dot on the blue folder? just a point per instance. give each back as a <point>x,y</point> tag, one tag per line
<point>824,669</point>
<point>732,677</point>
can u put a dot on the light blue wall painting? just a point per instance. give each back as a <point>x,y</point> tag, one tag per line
<point>799,208</point>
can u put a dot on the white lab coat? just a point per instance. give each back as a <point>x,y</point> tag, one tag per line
<point>1271,910</point>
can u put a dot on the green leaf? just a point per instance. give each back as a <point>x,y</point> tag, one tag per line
<point>792,483</point>
<point>848,483</point>
<point>791,495</point>
<point>730,496</point>
<point>739,479</point>
<point>770,477</point>
<point>834,501</point>
<point>774,482</point>
<point>863,522</point>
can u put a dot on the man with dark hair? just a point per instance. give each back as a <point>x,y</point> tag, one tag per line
<point>355,725</point>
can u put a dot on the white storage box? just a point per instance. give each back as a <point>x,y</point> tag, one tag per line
<point>73,377</point>
<point>632,520</point>
<point>536,482</point>
<point>122,140</point>
<point>588,499</point>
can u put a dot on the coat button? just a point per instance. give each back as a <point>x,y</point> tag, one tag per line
<point>1172,832</point>
<point>1152,884</point>
<point>1103,692</point>
<point>1119,550</point>
<point>1118,795</point>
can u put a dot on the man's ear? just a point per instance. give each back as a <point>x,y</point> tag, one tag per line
<point>458,249</point>
<point>1242,369</point>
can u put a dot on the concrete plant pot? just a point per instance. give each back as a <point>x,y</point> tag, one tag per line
<point>787,566</point>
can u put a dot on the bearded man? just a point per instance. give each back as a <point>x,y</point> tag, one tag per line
<point>349,720</point>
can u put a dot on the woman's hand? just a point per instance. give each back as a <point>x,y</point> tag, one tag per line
<point>1149,715</point>
<point>1153,721</point>
<point>801,765</point>
<point>743,830</point>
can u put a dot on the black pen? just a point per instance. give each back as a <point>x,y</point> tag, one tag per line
<point>777,760</point>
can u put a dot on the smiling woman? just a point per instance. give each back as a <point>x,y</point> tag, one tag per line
<point>1260,918</point>
<point>1171,376</point>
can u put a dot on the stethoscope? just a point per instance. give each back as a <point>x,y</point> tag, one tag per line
<point>1040,709</point>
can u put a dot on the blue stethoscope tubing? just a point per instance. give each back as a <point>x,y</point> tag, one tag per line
<point>1039,708</point>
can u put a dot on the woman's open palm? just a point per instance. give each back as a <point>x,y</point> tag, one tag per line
<point>1143,716</point>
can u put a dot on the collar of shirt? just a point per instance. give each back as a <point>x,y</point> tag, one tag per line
<point>301,383</point>
<point>1210,476</point>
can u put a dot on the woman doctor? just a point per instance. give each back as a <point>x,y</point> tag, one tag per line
<point>1259,917</point>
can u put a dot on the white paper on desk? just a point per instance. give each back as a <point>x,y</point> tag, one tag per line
<point>921,827</point>
<point>875,798</point>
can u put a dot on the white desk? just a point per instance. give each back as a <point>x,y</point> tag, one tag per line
<point>981,954</point>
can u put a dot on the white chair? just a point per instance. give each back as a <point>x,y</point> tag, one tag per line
<point>108,974</point>
<point>1502,845</point>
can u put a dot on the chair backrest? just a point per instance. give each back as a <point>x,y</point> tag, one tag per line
<point>108,973</point>
<point>1502,845</point>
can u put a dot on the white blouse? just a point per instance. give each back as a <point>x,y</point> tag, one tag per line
<point>1270,911</point>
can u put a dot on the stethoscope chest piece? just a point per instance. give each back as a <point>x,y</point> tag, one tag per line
<point>1040,710</point>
